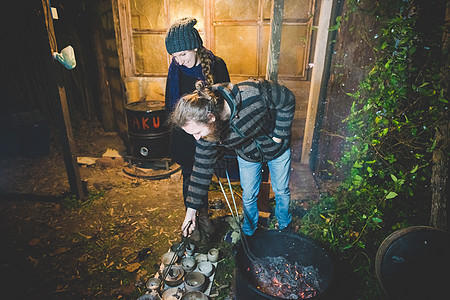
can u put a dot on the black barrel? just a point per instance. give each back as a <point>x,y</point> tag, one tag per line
<point>413,263</point>
<point>147,129</point>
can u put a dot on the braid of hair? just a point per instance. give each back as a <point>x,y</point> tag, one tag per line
<point>206,62</point>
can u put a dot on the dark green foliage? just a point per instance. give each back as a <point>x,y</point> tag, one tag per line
<point>390,140</point>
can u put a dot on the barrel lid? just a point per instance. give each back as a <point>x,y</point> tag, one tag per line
<point>147,106</point>
<point>413,263</point>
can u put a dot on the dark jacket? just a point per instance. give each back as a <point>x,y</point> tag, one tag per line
<point>260,110</point>
<point>182,145</point>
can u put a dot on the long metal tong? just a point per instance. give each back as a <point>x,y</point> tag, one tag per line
<point>175,254</point>
<point>235,216</point>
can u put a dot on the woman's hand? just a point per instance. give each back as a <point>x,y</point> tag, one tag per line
<point>189,222</point>
<point>276,140</point>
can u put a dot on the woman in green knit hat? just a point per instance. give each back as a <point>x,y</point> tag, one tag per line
<point>191,62</point>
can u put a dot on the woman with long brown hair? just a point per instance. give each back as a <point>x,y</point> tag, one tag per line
<point>191,62</point>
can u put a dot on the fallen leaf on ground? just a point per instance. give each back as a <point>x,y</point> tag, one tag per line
<point>60,250</point>
<point>60,288</point>
<point>33,260</point>
<point>133,267</point>
<point>34,242</point>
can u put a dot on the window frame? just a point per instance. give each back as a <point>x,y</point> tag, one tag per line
<point>127,36</point>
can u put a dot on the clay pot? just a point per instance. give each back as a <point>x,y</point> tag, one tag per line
<point>167,257</point>
<point>194,295</point>
<point>199,257</point>
<point>179,250</point>
<point>195,281</point>
<point>206,267</point>
<point>213,255</point>
<point>174,275</point>
<point>190,248</point>
<point>154,284</point>
<point>188,264</point>
<point>172,294</point>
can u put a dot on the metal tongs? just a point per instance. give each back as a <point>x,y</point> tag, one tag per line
<point>175,254</point>
<point>235,216</point>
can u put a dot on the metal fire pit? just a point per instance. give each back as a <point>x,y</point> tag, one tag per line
<point>295,248</point>
<point>413,263</point>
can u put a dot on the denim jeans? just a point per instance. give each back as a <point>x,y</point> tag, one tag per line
<point>250,176</point>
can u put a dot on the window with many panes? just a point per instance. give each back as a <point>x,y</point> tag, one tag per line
<point>236,30</point>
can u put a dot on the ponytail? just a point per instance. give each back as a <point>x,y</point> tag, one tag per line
<point>197,106</point>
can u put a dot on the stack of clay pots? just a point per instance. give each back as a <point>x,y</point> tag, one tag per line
<point>189,275</point>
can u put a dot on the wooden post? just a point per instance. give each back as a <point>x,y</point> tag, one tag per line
<point>271,74</point>
<point>122,25</point>
<point>70,158</point>
<point>275,40</point>
<point>59,94</point>
<point>316,77</point>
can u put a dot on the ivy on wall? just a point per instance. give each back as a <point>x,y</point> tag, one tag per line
<point>391,137</point>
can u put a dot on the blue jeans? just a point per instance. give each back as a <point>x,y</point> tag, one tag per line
<point>250,176</point>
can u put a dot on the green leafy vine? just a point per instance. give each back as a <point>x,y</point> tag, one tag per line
<point>389,144</point>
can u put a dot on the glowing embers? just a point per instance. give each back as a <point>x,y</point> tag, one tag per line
<point>276,276</point>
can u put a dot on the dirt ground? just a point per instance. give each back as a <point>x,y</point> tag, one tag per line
<point>56,247</point>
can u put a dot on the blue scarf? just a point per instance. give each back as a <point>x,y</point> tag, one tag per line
<point>173,79</point>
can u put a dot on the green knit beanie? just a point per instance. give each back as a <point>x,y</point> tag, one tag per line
<point>182,36</point>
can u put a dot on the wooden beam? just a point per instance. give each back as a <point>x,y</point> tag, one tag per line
<point>316,77</point>
<point>68,145</point>
<point>209,30</point>
<point>106,108</point>
<point>124,37</point>
<point>275,40</point>
<point>65,128</point>
<point>273,57</point>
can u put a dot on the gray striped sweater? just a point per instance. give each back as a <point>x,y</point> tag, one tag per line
<point>260,110</point>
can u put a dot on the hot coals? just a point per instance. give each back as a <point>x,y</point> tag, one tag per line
<point>287,266</point>
<point>278,277</point>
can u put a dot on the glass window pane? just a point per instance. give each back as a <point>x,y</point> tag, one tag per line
<point>236,10</point>
<point>147,14</point>
<point>237,45</point>
<point>293,9</point>
<point>150,53</point>
<point>293,50</point>
<point>296,9</point>
<point>187,9</point>
<point>265,49</point>
<point>267,9</point>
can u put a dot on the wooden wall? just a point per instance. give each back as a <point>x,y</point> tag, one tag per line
<point>24,86</point>
<point>110,74</point>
